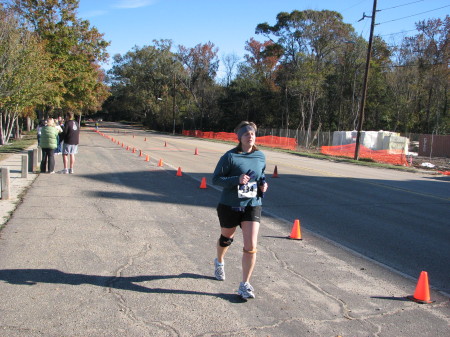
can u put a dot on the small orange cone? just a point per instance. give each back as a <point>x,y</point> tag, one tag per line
<point>134,150</point>
<point>295,232</point>
<point>140,153</point>
<point>196,152</point>
<point>422,293</point>
<point>147,158</point>
<point>160,163</point>
<point>165,144</point>
<point>179,174</point>
<point>123,145</point>
<point>203,183</point>
<point>128,147</point>
<point>145,139</point>
<point>275,172</point>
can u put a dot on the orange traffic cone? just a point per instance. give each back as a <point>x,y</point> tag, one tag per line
<point>196,152</point>
<point>145,139</point>
<point>147,158</point>
<point>165,144</point>
<point>422,293</point>
<point>128,147</point>
<point>140,153</point>
<point>179,174</point>
<point>203,183</point>
<point>160,163</point>
<point>123,145</point>
<point>134,150</point>
<point>275,172</point>
<point>295,232</point>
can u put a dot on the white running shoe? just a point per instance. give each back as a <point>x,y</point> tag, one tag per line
<point>246,291</point>
<point>71,171</point>
<point>219,270</point>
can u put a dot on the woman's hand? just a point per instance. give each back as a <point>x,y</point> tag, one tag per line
<point>244,179</point>
<point>264,187</point>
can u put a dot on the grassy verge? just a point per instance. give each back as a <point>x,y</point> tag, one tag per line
<point>18,145</point>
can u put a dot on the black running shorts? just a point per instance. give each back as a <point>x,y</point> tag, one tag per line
<point>230,218</point>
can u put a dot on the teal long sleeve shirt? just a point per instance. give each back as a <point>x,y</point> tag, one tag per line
<point>230,166</point>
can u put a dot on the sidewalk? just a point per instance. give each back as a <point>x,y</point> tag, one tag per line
<point>18,185</point>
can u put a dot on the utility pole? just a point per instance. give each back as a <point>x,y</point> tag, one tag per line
<point>366,75</point>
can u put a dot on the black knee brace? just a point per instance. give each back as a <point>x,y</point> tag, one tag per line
<point>224,241</point>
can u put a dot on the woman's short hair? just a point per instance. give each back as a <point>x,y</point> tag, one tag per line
<point>50,122</point>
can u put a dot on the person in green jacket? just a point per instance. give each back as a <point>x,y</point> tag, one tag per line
<point>49,142</point>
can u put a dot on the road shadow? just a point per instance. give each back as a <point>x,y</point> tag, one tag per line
<point>391,298</point>
<point>30,277</point>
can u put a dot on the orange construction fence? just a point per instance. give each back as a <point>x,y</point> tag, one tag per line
<point>395,157</point>
<point>270,141</point>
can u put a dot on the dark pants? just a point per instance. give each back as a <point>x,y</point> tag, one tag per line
<point>48,155</point>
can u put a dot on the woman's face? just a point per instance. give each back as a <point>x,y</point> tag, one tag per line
<point>248,138</point>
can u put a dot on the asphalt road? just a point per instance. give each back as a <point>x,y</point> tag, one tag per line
<point>125,248</point>
<point>396,218</point>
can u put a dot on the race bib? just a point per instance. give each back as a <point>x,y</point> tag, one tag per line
<point>249,190</point>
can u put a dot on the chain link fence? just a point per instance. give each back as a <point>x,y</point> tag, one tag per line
<point>310,141</point>
<point>435,145</point>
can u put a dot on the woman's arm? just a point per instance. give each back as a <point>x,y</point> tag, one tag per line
<point>221,175</point>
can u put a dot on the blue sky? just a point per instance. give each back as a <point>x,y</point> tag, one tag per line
<point>230,23</point>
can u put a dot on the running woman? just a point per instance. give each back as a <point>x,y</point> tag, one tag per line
<point>240,172</point>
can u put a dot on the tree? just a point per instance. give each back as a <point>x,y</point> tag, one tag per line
<point>430,51</point>
<point>263,63</point>
<point>142,84</point>
<point>201,65</point>
<point>75,49</point>
<point>24,72</point>
<point>230,62</point>
<point>308,41</point>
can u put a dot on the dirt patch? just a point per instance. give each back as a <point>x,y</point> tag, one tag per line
<point>440,164</point>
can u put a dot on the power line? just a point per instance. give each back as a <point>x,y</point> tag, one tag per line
<point>410,3</point>
<point>346,9</point>
<point>405,31</point>
<point>413,65</point>
<point>409,16</point>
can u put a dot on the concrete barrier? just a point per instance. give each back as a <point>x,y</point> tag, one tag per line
<point>35,159</point>
<point>6,183</point>
<point>24,167</point>
<point>30,161</point>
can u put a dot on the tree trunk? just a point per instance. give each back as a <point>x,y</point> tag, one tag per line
<point>17,129</point>
<point>302,114</point>
<point>29,124</point>
<point>312,102</point>
<point>2,139</point>
<point>430,94</point>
